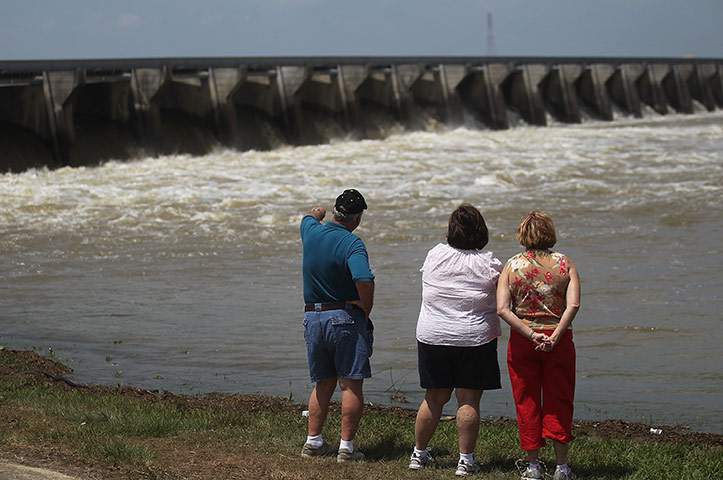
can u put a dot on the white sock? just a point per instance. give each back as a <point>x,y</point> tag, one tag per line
<point>346,445</point>
<point>315,441</point>
<point>467,457</point>
<point>421,453</point>
<point>564,468</point>
<point>534,466</point>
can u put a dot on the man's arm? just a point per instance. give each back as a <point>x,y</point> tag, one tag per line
<point>366,297</point>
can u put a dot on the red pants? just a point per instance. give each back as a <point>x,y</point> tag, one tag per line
<point>543,385</point>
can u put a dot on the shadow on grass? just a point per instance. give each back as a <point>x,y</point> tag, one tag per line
<point>389,447</point>
<point>604,471</point>
<point>386,447</point>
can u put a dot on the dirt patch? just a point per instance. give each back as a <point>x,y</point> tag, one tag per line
<point>23,365</point>
<point>641,433</point>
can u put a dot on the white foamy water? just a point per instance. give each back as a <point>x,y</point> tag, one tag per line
<point>183,272</point>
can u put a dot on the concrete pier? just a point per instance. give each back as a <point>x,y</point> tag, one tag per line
<point>82,112</point>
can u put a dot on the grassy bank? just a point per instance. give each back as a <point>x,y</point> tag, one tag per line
<point>98,432</point>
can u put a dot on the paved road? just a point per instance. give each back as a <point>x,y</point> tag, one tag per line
<point>11,471</point>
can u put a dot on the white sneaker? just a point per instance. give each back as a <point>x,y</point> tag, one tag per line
<point>464,468</point>
<point>345,455</point>
<point>529,473</point>
<point>560,475</point>
<point>420,461</point>
<point>325,450</point>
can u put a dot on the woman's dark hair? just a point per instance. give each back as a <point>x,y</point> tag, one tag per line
<point>467,229</point>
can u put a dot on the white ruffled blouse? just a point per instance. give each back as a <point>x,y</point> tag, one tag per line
<point>459,305</point>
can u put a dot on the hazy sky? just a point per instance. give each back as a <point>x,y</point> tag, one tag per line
<point>53,29</point>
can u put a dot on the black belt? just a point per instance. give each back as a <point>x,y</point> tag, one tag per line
<point>325,306</point>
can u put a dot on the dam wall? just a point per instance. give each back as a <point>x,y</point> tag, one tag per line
<point>82,112</point>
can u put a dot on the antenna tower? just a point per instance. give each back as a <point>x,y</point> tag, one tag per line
<point>490,37</point>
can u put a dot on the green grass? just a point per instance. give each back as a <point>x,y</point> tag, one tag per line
<point>111,429</point>
<point>104,425</point>
<point>115,450</point>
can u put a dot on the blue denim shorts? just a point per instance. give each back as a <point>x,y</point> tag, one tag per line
<point>338,344</point>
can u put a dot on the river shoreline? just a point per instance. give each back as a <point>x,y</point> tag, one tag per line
<point>45,370</point>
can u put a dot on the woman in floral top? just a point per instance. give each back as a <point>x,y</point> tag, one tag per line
<point>538,295</point>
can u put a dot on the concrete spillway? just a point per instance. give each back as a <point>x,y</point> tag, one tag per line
<point>81,112</point>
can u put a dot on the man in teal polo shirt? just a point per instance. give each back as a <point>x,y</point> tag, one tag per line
<point>339,294</point>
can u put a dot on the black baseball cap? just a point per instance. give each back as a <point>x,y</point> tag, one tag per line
<point>350,202</point>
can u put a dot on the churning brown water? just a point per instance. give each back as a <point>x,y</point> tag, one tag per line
<point>183,273</point>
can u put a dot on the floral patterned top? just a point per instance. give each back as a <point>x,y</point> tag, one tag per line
<point>538,282</point>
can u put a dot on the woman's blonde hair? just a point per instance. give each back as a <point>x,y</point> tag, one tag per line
<point>536,231</point>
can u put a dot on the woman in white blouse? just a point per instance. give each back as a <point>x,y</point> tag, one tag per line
<point>457,334</point>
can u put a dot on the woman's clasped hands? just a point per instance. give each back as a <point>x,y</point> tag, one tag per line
<point>542,342</point>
